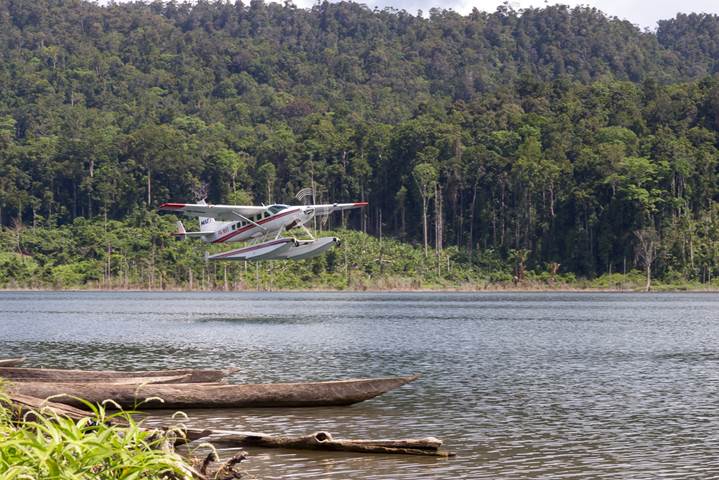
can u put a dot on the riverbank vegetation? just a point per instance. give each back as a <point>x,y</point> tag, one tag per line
<point>50,446</point>
<point>141,253</point>
<point>540,147</point>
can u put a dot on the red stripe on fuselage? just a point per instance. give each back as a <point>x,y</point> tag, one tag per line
<point>173,205</point>
<point>251,225</point>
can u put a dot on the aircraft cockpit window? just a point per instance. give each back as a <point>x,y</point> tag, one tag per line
<point>275,208</point>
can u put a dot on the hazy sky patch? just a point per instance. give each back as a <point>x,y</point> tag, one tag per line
<point>644,13</point>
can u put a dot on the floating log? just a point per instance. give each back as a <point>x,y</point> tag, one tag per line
<point>107,376</point>
<point>195,395</point>
<point>11,362</point>
<point>324,441</point>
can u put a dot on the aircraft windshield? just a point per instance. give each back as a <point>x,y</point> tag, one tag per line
<point>272,209</point>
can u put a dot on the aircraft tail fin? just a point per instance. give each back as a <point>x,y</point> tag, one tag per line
<point>180,233</point>
<point>207,224</point>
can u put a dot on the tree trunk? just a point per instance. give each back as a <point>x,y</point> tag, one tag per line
<point>439,227</point>
<point>470,244</point>
<point>149,186</point>
<point>325,441</point>
<point>647,250</point>
<point>424,224</point>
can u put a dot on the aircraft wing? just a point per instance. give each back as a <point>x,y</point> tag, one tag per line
<point>223,213</point>
<point>335,207</point>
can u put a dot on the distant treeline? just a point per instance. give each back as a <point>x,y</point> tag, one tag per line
<point>554,140</point>
<point>141,253</point>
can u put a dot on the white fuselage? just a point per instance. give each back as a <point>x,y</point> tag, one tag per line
<point>262,225</point>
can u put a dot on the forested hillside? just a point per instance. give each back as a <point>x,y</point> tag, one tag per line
<point>552,139</point>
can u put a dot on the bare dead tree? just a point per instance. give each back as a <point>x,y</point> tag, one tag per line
<point>553,268</point>
<point>17,228</point>
<point>646,251</point>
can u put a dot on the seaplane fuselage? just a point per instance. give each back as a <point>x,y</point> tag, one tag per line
<point>260,226</point>
<point>257,226</point>
<point>229,224</point>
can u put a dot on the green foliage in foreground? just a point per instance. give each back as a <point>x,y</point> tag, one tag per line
<point>53,448</point>
<point>141,253</point>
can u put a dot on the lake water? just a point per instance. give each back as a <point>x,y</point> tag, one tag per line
<point>545,385</point>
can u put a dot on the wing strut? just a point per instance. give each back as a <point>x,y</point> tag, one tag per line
<point>307,231</point>
<point>242,217</point>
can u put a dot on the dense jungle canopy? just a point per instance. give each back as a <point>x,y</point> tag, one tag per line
<point>548,137</point>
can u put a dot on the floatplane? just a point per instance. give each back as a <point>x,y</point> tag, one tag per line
<point>262,227</point>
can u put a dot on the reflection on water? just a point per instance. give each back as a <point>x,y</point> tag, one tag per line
<point>519,385</point>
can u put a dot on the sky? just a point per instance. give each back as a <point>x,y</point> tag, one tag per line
<point>643,13</point>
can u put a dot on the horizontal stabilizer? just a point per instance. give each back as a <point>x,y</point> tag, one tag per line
<point>182,234</point>
<point>197,234</point>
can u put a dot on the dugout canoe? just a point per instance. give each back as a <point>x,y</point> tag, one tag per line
<point>196,395</point>
<point>11,362</point>
<point>55,375</point>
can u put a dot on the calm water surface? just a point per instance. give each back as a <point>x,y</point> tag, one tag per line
<point>519,385</point>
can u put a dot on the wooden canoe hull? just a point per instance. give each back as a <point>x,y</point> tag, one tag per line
<point>11,362</point>
<point>54,375</point>
<point>185,396</point>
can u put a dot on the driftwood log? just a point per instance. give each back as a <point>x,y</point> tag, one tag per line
<point>195,395</point>
<point>11,362</point>
<point>25,406</point>
<point>324,441</point>
<point>106,376</point>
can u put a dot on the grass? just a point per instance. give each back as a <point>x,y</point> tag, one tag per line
<point>51,447</point>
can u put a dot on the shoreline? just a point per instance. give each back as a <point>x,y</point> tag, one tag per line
<point>563,289</point>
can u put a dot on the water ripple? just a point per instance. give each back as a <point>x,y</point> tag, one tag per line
<point>519,385</point>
